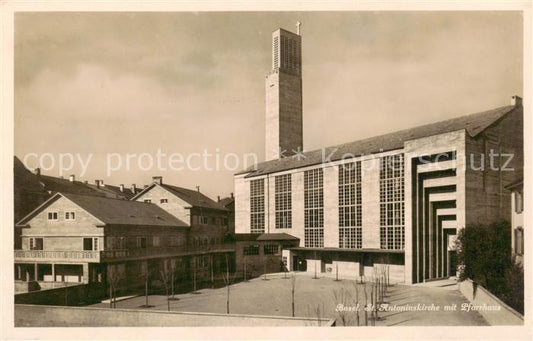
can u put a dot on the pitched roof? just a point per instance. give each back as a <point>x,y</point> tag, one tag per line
<point>226,201</point>
<point>192,197</point>
<point>276,236</point>
<point>24,179</point>
<point>117,211</point>
<point>474,124</point>
<point>264,237</point>
<point>243,237</point>
<point>112,191</point>
<point>54,184</point>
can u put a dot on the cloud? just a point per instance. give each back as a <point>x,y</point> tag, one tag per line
<point>119,82</point>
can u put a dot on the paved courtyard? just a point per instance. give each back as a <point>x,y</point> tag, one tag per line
<point>320,298</point>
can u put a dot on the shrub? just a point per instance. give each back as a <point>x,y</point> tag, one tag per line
<point>484,256</point>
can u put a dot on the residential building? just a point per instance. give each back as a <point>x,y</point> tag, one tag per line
<point>198,211</point>
<point>229,204</point>
<point>517,219</point>
<point>74,238</point>
<point>31,189</point>
<point>397,199</point>
<point>111,191</point>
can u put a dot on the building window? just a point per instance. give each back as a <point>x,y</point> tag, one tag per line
<point>148,201</point>
<point>87,244</point>
<point>163,201</point>
<point>271,249</point>
<point>391,195</point>
<point>156,241</point>
<point>202,220</point>
<point>518,202</point>
<point>257,206</point>
<point>519,241</point>
<point>36,243</point>
<point>141,242</point>
<point>70,215</point>
<point>350,206</point>
<point>52,215</point>
<point>251,250</point>
<point>313,208</point>
<point>283,201</point>
<point>213,221</point>
<point>174,241</point>
<point>115,243</point>
<point>95,244</point>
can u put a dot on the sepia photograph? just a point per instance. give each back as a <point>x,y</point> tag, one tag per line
<point>268,168</point>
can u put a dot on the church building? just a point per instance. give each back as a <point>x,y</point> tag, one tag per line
<point>397,199</point>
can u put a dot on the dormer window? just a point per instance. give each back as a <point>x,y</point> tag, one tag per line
<point>163,201</point>
<point>52,215</point>
<point>70,215</point>
<point>148,201</point>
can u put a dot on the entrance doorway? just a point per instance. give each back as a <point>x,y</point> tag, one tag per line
<point>452,263</point>
<point>299,264</point>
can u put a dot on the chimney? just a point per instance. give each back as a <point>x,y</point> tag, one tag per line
<point>298,24</point>
<point>121,186</point>
<point>145,186</point>
<point>72,177</point>
<point>133,188</point>
<point>218,198</point>
<point>37,171</point>
<point>86,182</point>
<point>231,195</point>
<point>157,180</point>
<point>516,101</point>
<point>99,183</point>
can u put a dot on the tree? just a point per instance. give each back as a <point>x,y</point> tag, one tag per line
<point>315,261</point>
<point>318,312</point>
<point>228,280</point>
<point>337,271</point>
<point>344,298</point>
<point>484,255</point>
<point>244,270</point>
<point>265,268</point>
<point>293,288</point>
<point>145,273</point>
<point>194,270</point>
<point>113,279</point>
<point>212,271</point>
<point>514,297</point>
<point>165,278</point>
<point>173,278</point>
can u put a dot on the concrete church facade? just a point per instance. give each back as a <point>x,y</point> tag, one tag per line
<point>397,199</point>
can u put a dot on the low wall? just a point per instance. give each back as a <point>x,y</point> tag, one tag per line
<point>50,316</point>
<point>505,316</point>
<point>311,266</point>
<point>396,272</point>
<point>350,270</point>
<point>347,270</point>
<point>71,295</point>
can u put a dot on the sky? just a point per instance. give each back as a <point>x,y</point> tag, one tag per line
<point>119,85</point>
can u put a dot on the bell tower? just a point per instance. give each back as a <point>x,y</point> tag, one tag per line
<point>283,100</point>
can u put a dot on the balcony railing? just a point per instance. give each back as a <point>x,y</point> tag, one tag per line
<point>67,256</point>
<point>107,255</point>
<point>164,251</point>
